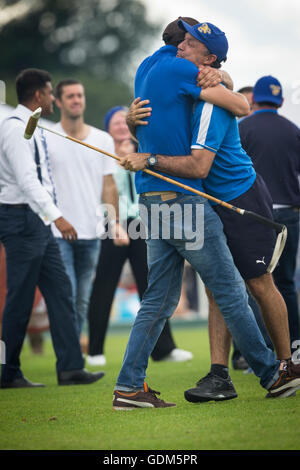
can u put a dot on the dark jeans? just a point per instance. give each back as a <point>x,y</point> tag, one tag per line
<point>33,259</point>
<point>284,274</point>
<point>111,261</point>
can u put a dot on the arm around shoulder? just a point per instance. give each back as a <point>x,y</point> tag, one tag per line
<point>234,102</point>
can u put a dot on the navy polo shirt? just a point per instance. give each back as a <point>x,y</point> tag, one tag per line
<point>273,143</point>
<point>170,85</point>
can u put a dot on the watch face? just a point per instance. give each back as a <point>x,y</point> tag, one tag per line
<point>152,160</point>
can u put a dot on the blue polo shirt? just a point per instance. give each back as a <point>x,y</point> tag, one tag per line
<point>273,143</point>
<point>170,85</point>
<point>232,172</point>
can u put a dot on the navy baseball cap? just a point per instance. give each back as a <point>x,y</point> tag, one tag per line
<point>268,89</point>
<point>207,33</point>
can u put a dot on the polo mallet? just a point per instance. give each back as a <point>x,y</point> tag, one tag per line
<point>280,229</point>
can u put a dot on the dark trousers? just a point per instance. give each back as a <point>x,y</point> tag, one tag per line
<point>33,259</point>
<point>284,277</point>
<point>111,262</point>
<point>284,274</point>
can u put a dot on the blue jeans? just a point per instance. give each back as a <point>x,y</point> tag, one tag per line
<point>284,274</point>
<point>215,266</point>
<point>80,258</point>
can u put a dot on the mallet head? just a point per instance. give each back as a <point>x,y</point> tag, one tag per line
<point>32,123</point>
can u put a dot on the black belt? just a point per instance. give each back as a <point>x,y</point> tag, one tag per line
<point>14,206</point>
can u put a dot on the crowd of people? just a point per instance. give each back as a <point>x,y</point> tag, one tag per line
<point>69,219</point>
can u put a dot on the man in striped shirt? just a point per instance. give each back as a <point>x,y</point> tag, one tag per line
<point>232,178</point>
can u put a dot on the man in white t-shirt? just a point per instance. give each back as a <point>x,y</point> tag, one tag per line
<point>83,180</point>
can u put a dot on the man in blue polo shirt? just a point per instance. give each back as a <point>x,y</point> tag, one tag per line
<point>273,143</point>
<point>166,255</point>
<point>216,148</point>
<point>232,178</point>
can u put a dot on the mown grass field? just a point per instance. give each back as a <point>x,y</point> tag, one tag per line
<point>81,417</point>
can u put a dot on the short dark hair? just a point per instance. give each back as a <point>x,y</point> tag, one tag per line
<point>268,103</point>
<point>63,83</point>
<point>216,64</point>
<point>29,81</point>
<point>245,89</point>
<point>173,35</point>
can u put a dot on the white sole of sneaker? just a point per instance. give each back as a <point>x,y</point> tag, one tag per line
<point>139,404</point>
<point>122,408</point>
<point>289,393</point>
<point>290,389</point>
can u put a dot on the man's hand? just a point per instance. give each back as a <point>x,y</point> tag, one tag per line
<point>120,236</point>
<point>208,77</point>
<point>137,112</point>
<point>66,229</point>
<point>135,161</point>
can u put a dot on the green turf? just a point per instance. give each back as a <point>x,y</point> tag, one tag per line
<point>81,417</point>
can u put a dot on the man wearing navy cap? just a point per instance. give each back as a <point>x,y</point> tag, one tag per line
<point>231,177</point>
<point>273,143</point>
<point>212,39</point>
<point>218,157</point>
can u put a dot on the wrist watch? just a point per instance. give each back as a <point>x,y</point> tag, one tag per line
<point>152,160</point>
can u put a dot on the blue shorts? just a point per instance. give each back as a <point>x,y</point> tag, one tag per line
<point>251,243</point>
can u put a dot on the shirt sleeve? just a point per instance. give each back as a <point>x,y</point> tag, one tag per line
<point>209,126</point>
<point>19,154</point>
<point>186,73</point>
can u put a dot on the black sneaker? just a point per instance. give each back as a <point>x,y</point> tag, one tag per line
<point>288,382</point>
<point>141,399</point>
<point>211,387</point>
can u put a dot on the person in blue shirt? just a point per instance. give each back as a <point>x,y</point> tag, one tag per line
<point>166,83</point>
<point>230,176</point>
